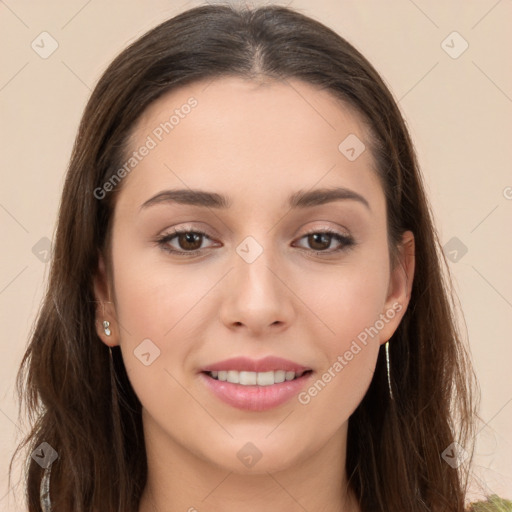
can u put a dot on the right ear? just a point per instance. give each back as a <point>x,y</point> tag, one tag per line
<point>105,309</point>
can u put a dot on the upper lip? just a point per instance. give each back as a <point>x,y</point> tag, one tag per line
<point>267,364</point>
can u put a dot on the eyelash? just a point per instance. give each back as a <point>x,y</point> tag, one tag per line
<point>347,241</point>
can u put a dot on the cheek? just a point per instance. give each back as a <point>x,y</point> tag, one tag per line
<point>152,298</point>
<point>331,398</point>
<point>156,304</point>
<point>152,302</point>
<point>346,301</point>
<point>347,305</point>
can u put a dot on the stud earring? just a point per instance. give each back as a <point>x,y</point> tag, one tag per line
<point>106,327</point>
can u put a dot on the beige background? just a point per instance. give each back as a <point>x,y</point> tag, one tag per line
<point>458,110</point>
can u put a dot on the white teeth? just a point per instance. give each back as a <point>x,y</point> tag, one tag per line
<point>254,378</point>
<point>248,378</point>
<point>233,377</point>
<point>265,378</point>
<point>279,376</point>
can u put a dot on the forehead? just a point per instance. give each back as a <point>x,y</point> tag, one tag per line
<point>247,139</point>
<point>268,105</point>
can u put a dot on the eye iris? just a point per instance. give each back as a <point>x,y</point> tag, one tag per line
<point>189,238</point>
<point>315,237</point>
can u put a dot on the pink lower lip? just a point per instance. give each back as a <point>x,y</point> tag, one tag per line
<point>255,398</point>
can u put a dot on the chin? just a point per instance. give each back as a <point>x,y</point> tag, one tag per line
<point>259,456</point>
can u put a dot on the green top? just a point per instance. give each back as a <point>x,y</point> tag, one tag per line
<point>493,504</point>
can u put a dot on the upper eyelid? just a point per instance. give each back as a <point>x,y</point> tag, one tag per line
<point>192,229</point>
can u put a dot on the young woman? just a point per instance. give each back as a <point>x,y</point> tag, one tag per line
<point>246,308</point>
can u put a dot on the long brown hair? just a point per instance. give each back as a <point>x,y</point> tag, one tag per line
<point>81,399</point>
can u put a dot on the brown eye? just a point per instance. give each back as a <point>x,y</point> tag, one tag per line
<point>189,241</point>
<point>319,241</point>
<point>183,242</point>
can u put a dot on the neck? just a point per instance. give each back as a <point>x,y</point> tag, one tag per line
<point>180,481</point>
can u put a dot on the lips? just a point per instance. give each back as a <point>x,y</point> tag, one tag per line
<point>255,385</point>
<point>266,364</point>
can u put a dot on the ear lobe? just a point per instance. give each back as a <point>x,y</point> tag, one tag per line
<point>400,287</point>
<point>105,311</point>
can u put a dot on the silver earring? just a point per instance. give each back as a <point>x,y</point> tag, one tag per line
<point>386,346</point>
<point>106,327</point>
<point>44,492</point>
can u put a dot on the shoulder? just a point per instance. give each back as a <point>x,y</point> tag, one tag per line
<point>493,504</point>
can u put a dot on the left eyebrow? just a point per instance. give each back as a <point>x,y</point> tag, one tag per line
<point>302,199</point>
<point>299,199</point>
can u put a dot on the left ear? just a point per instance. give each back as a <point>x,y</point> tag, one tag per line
<point>105,311</point>
<point>400,286</point>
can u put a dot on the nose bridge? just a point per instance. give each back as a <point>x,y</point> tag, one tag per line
<point>253,266</point>
<point>256,297</point>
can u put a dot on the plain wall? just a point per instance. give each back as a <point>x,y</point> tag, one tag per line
<point>458,111</point>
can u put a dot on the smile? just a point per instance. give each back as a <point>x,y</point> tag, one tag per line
<point>255,385</point>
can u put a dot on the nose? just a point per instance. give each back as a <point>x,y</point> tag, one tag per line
<point>256,296</point>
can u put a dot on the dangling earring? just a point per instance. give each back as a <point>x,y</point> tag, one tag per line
<point>106,327</point>
<point>386,346</point>
<point>44,491</point>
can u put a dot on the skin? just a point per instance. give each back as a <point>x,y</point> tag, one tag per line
<point>256,143</point>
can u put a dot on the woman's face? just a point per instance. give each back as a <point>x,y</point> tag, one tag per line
<point>256,291</point>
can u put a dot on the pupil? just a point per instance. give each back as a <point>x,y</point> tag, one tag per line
<point>190,238</point>
<point>316,236</point>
